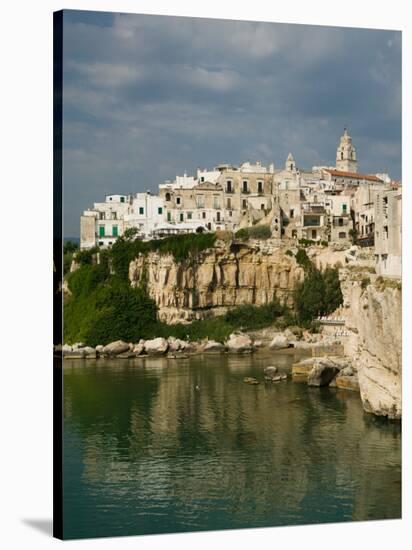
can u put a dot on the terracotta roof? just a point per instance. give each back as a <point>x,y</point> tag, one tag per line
<point>353,175</point>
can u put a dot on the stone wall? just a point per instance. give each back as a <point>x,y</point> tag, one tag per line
<point>373,312</point>
<point>225,276</point>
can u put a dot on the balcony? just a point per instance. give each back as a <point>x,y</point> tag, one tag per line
<point>229,191</point>
<point>245,191</point>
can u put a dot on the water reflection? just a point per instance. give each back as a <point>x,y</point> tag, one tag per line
<point>158,445</point>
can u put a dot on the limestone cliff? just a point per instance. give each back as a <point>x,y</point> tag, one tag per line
<point>224,276</point>
<point>373,313</point>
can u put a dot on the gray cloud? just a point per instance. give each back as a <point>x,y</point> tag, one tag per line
<point>146,97</point>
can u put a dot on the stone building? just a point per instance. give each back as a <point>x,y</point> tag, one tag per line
<point>346,154</point>
<point>388,233</point>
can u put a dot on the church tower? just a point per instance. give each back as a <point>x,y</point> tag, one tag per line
<point>290,164</point>
<point>346,154</point>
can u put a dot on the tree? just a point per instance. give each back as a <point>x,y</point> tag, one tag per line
<point>309,296</point>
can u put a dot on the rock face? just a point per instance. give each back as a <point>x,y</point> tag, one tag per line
<point>224,276</point>
<point>239,343</point>
<point>157,346</point>
<point>373,312</point>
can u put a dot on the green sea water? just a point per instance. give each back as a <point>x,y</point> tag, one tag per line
<point>166,445</point>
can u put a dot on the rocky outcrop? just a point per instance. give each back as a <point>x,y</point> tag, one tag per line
<point>221,277</point>
<point>373,314</point>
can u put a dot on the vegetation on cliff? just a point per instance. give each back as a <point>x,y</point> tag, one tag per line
<point>104,307</point>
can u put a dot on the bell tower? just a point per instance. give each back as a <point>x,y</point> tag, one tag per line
<point>346,154</point>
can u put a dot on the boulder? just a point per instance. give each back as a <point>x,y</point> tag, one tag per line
<point>295,331</point>
<point>280,341</point>
<point>157,346</point>
<point>78,345</point>
<point>214,347</point>
<point>174,344</point>
<point>303,368</point>
<point>115,348</point>
<point>99,349</point>
<point>322,373</point>
<point>258,344</point>
<point>239,343</point>
<point>89,353</point>
<point>138,349</point>
<point>270,372</point>
<point>66,348</point>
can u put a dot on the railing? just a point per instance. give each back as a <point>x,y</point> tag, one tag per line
<point>229,191</point>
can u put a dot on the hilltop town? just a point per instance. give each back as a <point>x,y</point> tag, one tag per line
<point>337,205</point>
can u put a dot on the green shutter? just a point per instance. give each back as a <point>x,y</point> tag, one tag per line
<point>169,217</point>
<point>121,199</point>
<point>114,231</point>
<point>141,210</point>
<point>160,210</point>
<point>101,230</point>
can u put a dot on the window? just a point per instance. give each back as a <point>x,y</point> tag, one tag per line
<point>340,222</point>
<point>244,187</point>
<point>101,243</point>
<point>121,199</point>
<point>141,210</point>
<point>228,186</point>
<point>218,216</point>
<point>102,215</point>
<point>216,201</point>
<point>101,230</point>
<point>342,235</point>
<point>114,215</point>
<point>344,208</point>
<point>385,231</point>
<point>178,200</point>
<point>200,201</point>
<point>114,231</point>
<point>229,203</point>
<point>169,216</point>
<point>341,156</point>
<point>230,213</point>
<point>204,215</point>
<point>167,197</point>
<point>260,186</point>
<point>189,215</point>
<point>244,203</point>
<point>313,233</point>
<point>291,213</point>
<point>262,206</point>
<point>181,216</point>
<point>202,179</point>
<point>160,210</point>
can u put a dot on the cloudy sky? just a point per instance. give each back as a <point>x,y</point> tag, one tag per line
<point>149,97</point>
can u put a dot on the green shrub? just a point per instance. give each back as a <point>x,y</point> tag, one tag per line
<point>70,246</point>
<point>84,257</point>
<point>289,253</point>
<point>249,316</point>
<point>302,259</point>
<point>255,232</point>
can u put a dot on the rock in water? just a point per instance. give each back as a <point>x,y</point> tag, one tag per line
<point>251,380</point>
<point>157,346</point>
<point>116,348</point>
<point>214,347</point>
<point>322,373</point>
<point>239,343</point>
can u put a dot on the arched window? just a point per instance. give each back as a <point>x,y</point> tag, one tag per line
<point>168,197</point>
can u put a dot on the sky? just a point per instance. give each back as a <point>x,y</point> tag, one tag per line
<point>146,97</point>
